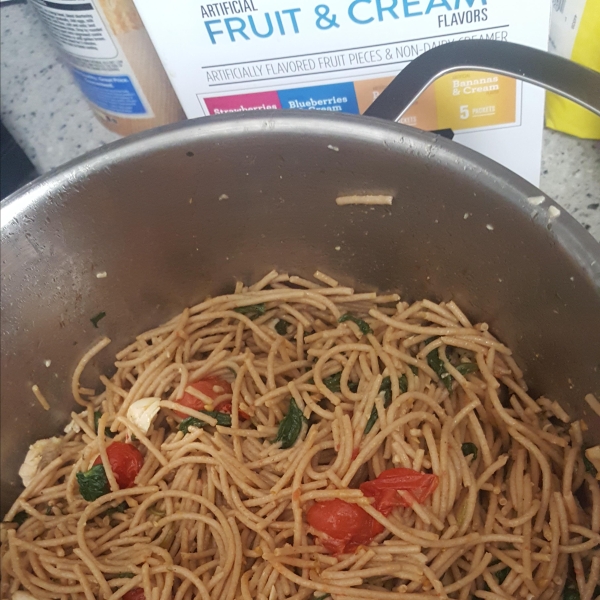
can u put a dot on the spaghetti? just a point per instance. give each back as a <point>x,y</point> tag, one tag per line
<point>267,408</point>
<point>367,200</point>
<point>40,397</point>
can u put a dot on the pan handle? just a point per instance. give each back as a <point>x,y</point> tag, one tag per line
<point>556,74</point>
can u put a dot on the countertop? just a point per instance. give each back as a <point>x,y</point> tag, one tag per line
<point>49,117</point>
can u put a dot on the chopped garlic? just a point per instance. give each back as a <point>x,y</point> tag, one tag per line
<point>593,455</point>
<point>72,426</point>
<point>38,456</point>
<point>142,412</point>
<point>536,200</point>
<point>553,213</point>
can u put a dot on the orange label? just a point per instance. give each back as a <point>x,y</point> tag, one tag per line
<point>368,90</point>
<point>421,114</point>
<point>473,99</point>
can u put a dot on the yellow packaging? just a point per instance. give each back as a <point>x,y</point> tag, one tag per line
<point>574,34</point>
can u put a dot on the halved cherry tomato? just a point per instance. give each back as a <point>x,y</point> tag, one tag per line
<point>385,488</point>
<point>226,407</point>
<point>213,387</point>
<point>135,594</point>
<point>346,526</point>
<point>126,462</point>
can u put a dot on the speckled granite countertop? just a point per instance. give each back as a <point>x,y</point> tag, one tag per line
<point>50,119</point>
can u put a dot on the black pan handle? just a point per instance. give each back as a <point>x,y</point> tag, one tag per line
<point>556,74</point>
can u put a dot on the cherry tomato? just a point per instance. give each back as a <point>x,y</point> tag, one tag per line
<point>213,387</point>
<point>347,526</point>
<point>226,407</point>
<point>126,462</point>
<point>385,488</point>
<point>135,594</point>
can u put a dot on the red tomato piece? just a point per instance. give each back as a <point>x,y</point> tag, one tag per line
<point>346,526</point>
<point>385,488</point>
<point>126,462</point>
<point>135,594</point>
<point>226,407</point>
<point>213,387</point>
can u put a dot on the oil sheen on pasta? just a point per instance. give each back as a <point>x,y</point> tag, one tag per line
<point>361,384</point>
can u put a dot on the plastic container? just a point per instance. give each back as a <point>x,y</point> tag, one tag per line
<point>114,62</point>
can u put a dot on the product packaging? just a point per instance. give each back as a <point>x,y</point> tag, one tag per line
<point>113,61</point>
<point>337,55</point>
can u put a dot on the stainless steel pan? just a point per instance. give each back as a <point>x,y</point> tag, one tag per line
<point>178,213</point>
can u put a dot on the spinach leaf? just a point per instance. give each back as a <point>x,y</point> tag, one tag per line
<point>502,574</point>
<point>290,426</point>
<point>333,382</point>
<point>466,368</point>
<point>188,422</point>
<point>119,508</point>
<point>362,325</point>
<point>110,434</point>
<point>93,483</point>
<point>469,448</point>
<point>414,369</point>
<point>570,591</point>
<point>223,419</point>
<point>403,384</point>
<point>589,467</point>
<point>253,311</point>
<point>124,576</point>
<point>436,363</point>
<point>281,327</point>
<point>386,388</point>
<point>372,420</point>
<point>96,319</point>
<point>20,518</point>
<point>107,431</point>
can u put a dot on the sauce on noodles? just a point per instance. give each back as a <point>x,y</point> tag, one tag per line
<point>322,402</point>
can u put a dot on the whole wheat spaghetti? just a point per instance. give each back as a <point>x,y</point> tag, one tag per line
<point>315,394</point>
<point>367,200</point>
